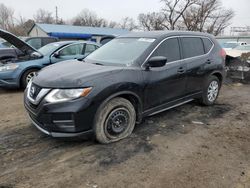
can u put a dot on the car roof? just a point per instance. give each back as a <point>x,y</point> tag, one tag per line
<point>162,34</point>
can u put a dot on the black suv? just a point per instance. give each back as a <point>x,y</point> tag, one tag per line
<point>129,78</point>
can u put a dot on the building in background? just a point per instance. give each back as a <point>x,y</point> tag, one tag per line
<point>70,32</point>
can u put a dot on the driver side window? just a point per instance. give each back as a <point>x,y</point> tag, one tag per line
<point>169,49</point>
<point>71,50</point>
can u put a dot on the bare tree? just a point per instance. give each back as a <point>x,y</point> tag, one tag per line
<point>22,26</point>
<point>194,15</point>
<point>173,11</point>
<point>207,16</point>
<point>6,17</point>
<point>151,21</point>
<point>128,23</point>
<point>44,16</point>
<point>112,24</point>
<point>89,18</point>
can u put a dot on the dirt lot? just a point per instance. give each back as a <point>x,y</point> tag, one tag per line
<point>190,146</point>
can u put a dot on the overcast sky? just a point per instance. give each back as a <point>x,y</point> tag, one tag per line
<point>113,9</point>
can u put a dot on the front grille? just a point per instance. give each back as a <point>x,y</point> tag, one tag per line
<point>36,93</point>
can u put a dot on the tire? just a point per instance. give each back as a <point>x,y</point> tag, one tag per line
<point>210,91</point>
<point>114,120</point>
<point>25,77</point>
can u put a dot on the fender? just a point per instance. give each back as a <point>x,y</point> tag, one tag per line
<point>27,68</point>
<point>104,96</point>
<point>221,73</point>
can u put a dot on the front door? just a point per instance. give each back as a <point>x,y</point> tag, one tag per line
<point>73,51</point>
<point>167,83</point>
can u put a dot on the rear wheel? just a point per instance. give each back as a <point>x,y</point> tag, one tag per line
<point>114,120</point>
<point>210,91</point>
<point>27,76</point>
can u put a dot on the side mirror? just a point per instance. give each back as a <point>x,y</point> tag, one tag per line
<point>56,54</point>
<point>157,61</point>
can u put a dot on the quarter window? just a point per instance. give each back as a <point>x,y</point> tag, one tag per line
<point>207,44</point>
<point>192,46</point>
<point>169,49</point>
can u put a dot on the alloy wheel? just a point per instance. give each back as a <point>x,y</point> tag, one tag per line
<point>213,91</point>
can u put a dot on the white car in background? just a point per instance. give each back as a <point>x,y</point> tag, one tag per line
<point>236,52</point>
<point>233,44</point>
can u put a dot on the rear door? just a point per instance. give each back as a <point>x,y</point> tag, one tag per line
<point>196,57</point>
<point>167,83</point>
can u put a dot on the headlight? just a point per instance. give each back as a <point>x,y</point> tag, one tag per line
<point>62,95</point>
<point>8,67</point>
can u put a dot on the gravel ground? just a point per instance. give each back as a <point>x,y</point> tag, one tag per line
<point>189,146</point>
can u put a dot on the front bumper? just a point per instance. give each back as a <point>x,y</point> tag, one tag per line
<point>60,134</point>
<point>8,80</point>
<point>67,119</point>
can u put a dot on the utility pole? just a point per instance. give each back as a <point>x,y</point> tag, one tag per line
<point>56,15</point>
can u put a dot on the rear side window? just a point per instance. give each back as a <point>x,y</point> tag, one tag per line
<point>48,40</point>
<point>89,48</point>
<point>169,49</point>
<point>207,44</point>
<point>192,46</point>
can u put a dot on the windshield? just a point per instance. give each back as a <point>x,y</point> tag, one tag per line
<point>121,51</point>
<point>230,45</point>
<point>243,48</point>
<point>49,48</point>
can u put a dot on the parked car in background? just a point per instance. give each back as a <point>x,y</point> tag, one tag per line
<point>2,44</point>
<point>7,50</point>
<point>17,71</point>
<point>232,45</point>
<point>238,51</point>
<point>127,79</point>
<point>38,42</point>
<point>106,39</point>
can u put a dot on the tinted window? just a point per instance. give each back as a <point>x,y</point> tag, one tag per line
<point>75,49</point>
<point>35,43</point>
<point>169,49</point>
<point>48,40</point>
<point>192,46</point>
<point>89,48</point>
<point>207,44</point>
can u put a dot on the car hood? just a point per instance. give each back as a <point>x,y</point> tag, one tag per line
<point>72,74</point>
<point>234,53</point>
<point>18,43</point>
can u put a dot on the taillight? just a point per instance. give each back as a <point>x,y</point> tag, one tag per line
<point>223,53</point>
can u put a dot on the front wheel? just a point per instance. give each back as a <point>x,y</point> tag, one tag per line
<point>27,76</point>
<point>210,91</point>
<point>114,120</point>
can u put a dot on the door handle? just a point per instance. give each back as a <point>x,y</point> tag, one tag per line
<point>208,61</point>
<point>181,70</point>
